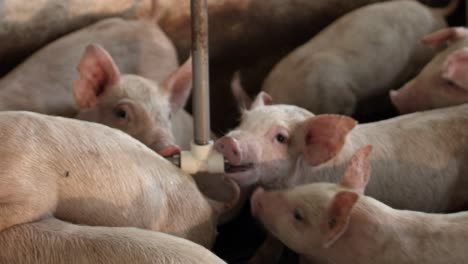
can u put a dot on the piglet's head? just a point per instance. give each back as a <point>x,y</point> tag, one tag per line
<point>312,217</point>
<point>266,146</point>
<point>258,149</point>
<point>442,82</point>
<point>135,105</point>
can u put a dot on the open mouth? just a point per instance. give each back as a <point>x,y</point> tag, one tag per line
<point>229,168</point>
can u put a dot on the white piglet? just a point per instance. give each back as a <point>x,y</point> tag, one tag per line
<point>337,223</point>
<point>91,174</point>
<point>365,53</point>
<point>128,79</point>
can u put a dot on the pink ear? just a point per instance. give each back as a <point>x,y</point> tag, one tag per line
<point>455,68</point>
<point>262,99</point>
<point>97,72</point>
<point>336,219</point>
<point>325,136</point>
<point>402,98</point>
<point>357,174</point>
<point>447,35</point>
<point>242,98</point>
<point>179,85</point>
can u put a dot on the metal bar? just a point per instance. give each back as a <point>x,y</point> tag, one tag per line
<point>200,63</point>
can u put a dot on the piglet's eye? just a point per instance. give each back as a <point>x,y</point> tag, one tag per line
<point>281,138</point>
<point>449,83</point>
<point>298,216</point>
<point>120,113</point>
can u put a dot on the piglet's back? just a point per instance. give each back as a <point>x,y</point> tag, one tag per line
<point>52,241</point>
<point>61,142</point>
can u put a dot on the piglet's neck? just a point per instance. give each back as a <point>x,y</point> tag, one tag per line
<point>380,234</point>
<point>330,171</point>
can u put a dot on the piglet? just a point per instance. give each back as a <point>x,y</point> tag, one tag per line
<point>135,105</point>
<point>337,223</point>
<point>350,60</point>
<point>51,241</point>
<point>443,81</point>
<point>280,146</point>
<point>128,80</point>
<point>91,174</point>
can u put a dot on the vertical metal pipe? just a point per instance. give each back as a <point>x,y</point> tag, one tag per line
<point>200,63</point>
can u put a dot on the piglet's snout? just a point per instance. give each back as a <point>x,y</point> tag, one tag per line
<point>165,149</point>
<point>229,147</point>
<point>169,151</point>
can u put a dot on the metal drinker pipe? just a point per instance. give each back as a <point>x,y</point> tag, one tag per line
<point>202,156</point>
<point>200,63</point>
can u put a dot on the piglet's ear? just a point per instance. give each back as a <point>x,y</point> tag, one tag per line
<point>336,219</point>
<point>455,68</point>
<point>445,35</point>
<point>179,85</point>
<point>357,174</point>
<point>243,99</point>
<point>97,72</point>
<point>325,136</point>
<point>262,99</point>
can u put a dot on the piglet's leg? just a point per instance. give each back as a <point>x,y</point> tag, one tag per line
<point>23,201</point>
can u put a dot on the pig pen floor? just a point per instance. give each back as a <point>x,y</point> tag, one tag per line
<point>238,240</point>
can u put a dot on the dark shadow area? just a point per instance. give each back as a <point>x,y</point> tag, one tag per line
<point>374,109</point>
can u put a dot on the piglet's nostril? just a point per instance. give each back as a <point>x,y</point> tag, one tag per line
<point>235,152</point>
<point>229,147</point>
